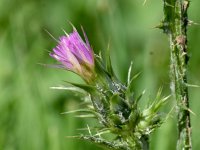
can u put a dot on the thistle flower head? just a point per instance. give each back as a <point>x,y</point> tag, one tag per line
<point>74,54</point>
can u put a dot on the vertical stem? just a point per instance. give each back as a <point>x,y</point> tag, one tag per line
<point>175,25</point>
<point>145,142</point>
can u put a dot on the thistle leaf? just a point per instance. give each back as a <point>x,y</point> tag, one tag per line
<point>80,110</point>
<point>117,103</point>
<point>85,116</point>
<point>140,96</point>
<point>130,82</point>
<point>68,88</point>
<point>133,78</point>
<point>108,62</point>
<point>88,88</point>
<point>119,106</point>
<point>100,67</point>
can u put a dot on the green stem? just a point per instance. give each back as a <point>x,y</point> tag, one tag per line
<point>145,142</point>
<point>175,25</point>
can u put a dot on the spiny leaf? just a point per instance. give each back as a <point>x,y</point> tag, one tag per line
<point>108,63</point>
<point>117,103</point>
<point>73,88</point>
<point>80,110</point>
<point>158,95</point>
<point>100,68</point>
<point>162,101</point>
<point>88,88</point>
<point>140,96</point>
<point>155,106</point>
<point>129,84</point>
<point>158,102</point>
<point>119,106</point>
<point>85,116</point>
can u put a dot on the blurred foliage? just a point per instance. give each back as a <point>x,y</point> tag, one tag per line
<point>30,116</point>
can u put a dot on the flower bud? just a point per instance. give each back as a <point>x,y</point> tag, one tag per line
<point>75,55</point>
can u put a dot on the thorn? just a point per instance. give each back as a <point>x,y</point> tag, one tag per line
<point>191,111</point>
<point>191,85</point>
<point>188,109</point>
<point>72,136</point>
<point>59,66</point>
<point>75,89</point>
<point>51,35</point>
<point>98,134</point>
<point>190,22</point>
<point>76,111</point>
<point>48,51</point>
<point>144,2</point>
<point>85,116</point>
<point>159,26</point>
<point>65,32</point>
<point>103,132</point>
<point>84,129</point>
<point>89,130</point>
<point>72,25</point>
<point>98,56</point>
<point>129,73</point>
<point>143,92</point>
<point>185,5</point>
<point>167,4</point>
<point>168,115</point>
<point>42,64</point>
<point>108,47</point>
<point>59,88</point>
<point>163,26</point>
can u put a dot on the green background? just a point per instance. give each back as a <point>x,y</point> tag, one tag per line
<point>30,116</point>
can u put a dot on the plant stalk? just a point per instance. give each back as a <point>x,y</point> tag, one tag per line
<point>145,142</point>
<point>175,26</point>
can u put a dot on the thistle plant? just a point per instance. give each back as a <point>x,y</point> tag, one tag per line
<point>107,99</point>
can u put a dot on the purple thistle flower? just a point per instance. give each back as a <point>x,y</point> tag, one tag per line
<point>74,54</point>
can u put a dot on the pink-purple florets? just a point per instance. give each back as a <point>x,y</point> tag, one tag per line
<point>73,53</point>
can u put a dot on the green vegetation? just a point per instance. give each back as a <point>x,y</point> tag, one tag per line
<point>30,116</point>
